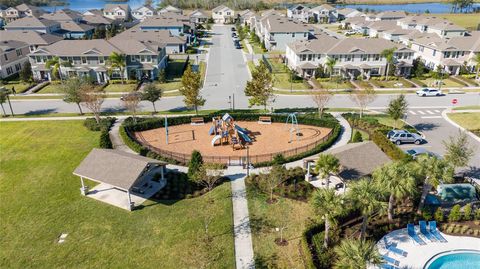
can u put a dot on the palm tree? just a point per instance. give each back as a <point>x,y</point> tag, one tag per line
<point>327,165</point>
<point>388,54</point>
<point>476,59</point>
<point>331,62</point>
<point>396,180</point>
<point>354,254</point>
<point>117,61</point>
<point>328,205</point>
<point>434,170</point>
<point>366,196</point>
<point>55,63</point>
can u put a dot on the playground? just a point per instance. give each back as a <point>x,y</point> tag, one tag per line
<point>224,137</point>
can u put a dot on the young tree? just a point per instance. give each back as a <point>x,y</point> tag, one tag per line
<point>208,175</point>
<point>152,94</point>
<point>388,54</point>
<point>418,68</point>
<point>331,62</point>
<point>353,254</point>
<point>117,62</point>
<point>260,88</point>
<point>130,102</point>
<point>26,72</point>
<point>71,89</point>
<point>3,99</point>
<point>191,89</point>
<point>55,63</point>
<point>284,218</point>
<point>326,166</point>
<point>329,206</point>
<point>93,99</point>
<point>433,170</point>
<point>458,150</point>
<point>396,180</point>
<point>273,180</point>
<point>476,59</point>
<point>397,108</point>
<point>367,197</point>
<point>196,162</point>
<point>321,99</point>
<point>162,76</point>
<point>363,97</point>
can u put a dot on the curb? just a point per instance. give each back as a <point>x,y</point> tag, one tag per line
<point>445,117</point>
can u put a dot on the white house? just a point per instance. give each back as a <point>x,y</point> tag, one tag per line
<point>198,16</point>
<point>277,31</point>
<point>354,56</point>
<point>172,9</point>
<point>324,13</point>
<point>299,12</point>
<point>143,12</point>
<point>223,14</point>
<point>117,11</point>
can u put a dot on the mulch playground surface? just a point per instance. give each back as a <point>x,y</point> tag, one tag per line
<point>267,139</point>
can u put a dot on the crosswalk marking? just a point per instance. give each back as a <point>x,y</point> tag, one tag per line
<point>431,117</point>
<point>437,111</point>
<point>430,112</point>
<point>412,112</point>
<point>421,112</point>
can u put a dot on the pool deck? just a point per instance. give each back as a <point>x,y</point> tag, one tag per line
<point>418,255</point>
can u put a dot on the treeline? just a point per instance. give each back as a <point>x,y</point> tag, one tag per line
<point>210,4</point>
<point>11,3</point>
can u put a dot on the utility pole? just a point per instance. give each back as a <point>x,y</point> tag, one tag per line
<point>10,104</point>
<point>233,101</point>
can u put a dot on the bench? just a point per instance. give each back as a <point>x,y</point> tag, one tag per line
<point>197,121</point>
<point>264,120</point>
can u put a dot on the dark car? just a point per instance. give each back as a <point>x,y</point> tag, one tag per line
<point>234,35</point>
<point>233,29</point>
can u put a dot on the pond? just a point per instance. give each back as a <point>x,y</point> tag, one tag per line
<point>411,8</point>
<point>83,5</point>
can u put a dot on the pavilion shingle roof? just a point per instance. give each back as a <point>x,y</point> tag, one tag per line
<point>114,167</point>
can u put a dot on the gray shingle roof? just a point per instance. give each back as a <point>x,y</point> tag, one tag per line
<point>63,15</point>
<point>31,22</point>
<point>114,167</point>
<point>112,7</point>
<point>30,37</point>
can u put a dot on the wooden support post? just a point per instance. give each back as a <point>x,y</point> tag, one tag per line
<point>83,189</point>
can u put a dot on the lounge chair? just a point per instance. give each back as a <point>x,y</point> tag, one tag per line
<point>435,232</point>
<point>413,234</point>
<point>387,266</point>
<point>393,248</point>
<point>390,260</point>
<point>423,230</point>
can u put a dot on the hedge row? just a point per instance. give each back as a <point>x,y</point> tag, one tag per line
<point>104,127</point>
<point>377,132</point>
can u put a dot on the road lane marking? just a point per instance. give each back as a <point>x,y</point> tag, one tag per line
<point>412,112</point>
<point>437,111</point>
<point>421,112</point>
<point>431,117</point>
<point>430,112</point>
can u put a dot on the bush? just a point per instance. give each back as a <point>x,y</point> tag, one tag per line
<point>357,137</point>
<point>178,187</point>
<point>105,141</point>
<point>104,125</point>
<point>278,159</point>
<point>455,214</point>
<point>467,212</point>
<point>477,214</point>
<point>196,161</point>
<point>426,213</point>
<point>438,216</point>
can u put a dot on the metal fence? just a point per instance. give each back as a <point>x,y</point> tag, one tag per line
<point>233,160</point>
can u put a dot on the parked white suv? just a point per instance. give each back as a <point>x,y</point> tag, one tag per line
<point>429,92</point>
<point>406,137</point>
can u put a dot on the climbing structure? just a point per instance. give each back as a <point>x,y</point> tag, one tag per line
<point>225,130</point>
<point>292,124</point>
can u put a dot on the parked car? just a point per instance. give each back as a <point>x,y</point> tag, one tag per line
<point>238,46</point>
<point>406,137</point>
<point>392,132</point>
<point>416,152</point>
<point>233,29</point>
<point>429,92</point>
<point>350,32</point>
<point>234,34</point>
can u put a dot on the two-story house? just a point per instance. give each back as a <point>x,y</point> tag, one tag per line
<point>12,57</point>
<point>96,19</point>
<point>277,31</point>
<point>354,57</point>
<point>35,24</point>
<point>324,13</point>
<point>90,58</point>
<point>177,24</point>
<point>143,12</point>
<point>432,24</point>
<point>223,14</point>
<point>117,11</point>
<point>244,16</point>
<point>198,16</point>
<point>299,12</point>
<point>71,25</point>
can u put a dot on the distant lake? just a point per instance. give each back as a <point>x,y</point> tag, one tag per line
<point>83,5</point>
<point>411,8</point>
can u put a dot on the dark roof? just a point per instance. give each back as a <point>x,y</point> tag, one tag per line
<point>114,167</point>
<point>359,159</point>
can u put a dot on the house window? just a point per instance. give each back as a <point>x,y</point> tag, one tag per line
<point>84,60</point>
<point>310,57</point>
<point>420,48</point>
<point>19,52</point>
<point>377,57</point>
<point>101,60</point>
<point>364,58</point>
<point>9,70</point>
<point>434,52</point>
<point>18,67</point>
<point>5,56</point>
<point>293,34</point>
<point>374,71</point>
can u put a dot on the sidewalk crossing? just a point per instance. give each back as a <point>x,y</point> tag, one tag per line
<point>426,113</point>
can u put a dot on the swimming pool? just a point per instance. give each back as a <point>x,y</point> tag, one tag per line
<point>455,260</point>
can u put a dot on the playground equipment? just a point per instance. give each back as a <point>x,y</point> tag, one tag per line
<point>292,117</point>
<point>226,130</point>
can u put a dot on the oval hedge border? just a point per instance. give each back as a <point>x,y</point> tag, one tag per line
<point>143,124</point>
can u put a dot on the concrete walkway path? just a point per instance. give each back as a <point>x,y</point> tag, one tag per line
<point>244,258</point>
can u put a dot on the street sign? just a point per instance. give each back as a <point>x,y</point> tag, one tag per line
<point>454,101</point>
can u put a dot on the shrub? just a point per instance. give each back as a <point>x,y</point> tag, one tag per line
<point>278,159</point>
<point>105,141</point>
<point>196,161</point>
<point>467,212</point>
<point>438,216</point>
<point>477,214</point>
<point>426,213</point>
<point>455,214</point>
<point>104,125</point>
<point>357,137</point>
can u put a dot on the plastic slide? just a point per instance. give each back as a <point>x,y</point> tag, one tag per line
<point>244,136</point>
<point>215,138</point>
<point>241,129</point>
<point>212,129</point>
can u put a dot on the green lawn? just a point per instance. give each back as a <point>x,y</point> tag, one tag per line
<point>41,199</point>
<point>469,21</point>
<point>333,85</point>
<point>19,86</point>
<point>392,84</point>
<point>430,82</point>
<point>174,77</point>
<point>470,121</point>
<point>264,218</point>
<point>365,135</point>
<point>282,81</point>
<point>51,88</point>
<point>257,48</point>
<point>120,87</point>
<point>386,120</point>
<point>364,84</point>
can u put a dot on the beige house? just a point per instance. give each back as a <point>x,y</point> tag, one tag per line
<point>223,14</point>
<point>117,11</point>
<point>12,57</point>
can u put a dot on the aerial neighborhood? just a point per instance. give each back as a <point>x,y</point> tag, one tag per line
<point>240,134</point>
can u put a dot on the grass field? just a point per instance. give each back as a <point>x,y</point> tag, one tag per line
<point>41,199</point>
<point>120,87</point>
<point>19,86</point>
<point>470,121</point>
<point>469,21</point>
<point>264,218</point>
